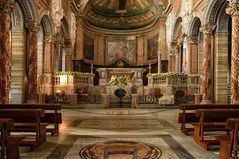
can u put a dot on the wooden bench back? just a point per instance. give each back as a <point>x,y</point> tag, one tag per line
<point>32,106</point>
<point>6,123</point>
<point>208,106</point>
<point>217,115</point>
<point>22,115</point>
<point>52,111</point>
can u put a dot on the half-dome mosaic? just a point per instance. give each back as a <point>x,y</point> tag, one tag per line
<point>120,14</point>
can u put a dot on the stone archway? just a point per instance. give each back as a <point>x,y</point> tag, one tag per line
<point>63,47</point>
<point>18,42</point>
<point>215,17</point>
<point>195,47</point>
<point>176,44</point>
<point>222,56</point>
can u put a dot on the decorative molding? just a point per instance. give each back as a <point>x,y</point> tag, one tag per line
<point>7,6</point>
<point>214,10</point>
<point>208,28</point>
<point>233,9</point>
<point>32,26</point>
<point>57,12</point>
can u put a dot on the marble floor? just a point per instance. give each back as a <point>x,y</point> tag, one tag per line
<point>91,125</point>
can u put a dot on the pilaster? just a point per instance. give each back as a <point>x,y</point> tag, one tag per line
<point>79,39</point>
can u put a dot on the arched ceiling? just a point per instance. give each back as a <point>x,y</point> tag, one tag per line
<point>121,14</point>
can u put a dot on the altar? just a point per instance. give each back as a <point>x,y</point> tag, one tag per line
<point>128,80</point>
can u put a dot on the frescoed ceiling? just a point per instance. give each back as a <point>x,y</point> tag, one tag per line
<point>120,14</point>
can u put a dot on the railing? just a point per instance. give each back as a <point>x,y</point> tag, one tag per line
<point>64,78</point>
<point>173,81</point>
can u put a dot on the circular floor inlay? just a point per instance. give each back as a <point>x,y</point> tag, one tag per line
<point>120,150</point>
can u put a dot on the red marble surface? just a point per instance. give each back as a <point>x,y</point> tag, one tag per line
<point>235,59</point>
<point>206,77</point>
<point>5,53</point>
<point>32,66</point>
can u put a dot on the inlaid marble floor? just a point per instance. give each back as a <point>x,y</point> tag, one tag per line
<point>83,127</point>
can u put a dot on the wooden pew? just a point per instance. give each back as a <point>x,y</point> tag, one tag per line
<point>52,116</point>
<point>212,120</point>
<point>25,121</point>
<point>187,114</point>
<point>229,143</point>
<point>9,144</point>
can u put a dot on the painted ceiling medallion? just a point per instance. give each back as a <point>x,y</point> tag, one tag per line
<point>120,14</point>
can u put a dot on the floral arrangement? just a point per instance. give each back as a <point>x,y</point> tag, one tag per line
<point>169,74</point>
<point>76,74</point>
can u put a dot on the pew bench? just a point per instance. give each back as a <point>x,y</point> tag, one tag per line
<point>53,116</point>
<point>9,143</point>
<point>27,122</point>
<point>229,143</point>
<point>187,115</point>
<point>213,121</point>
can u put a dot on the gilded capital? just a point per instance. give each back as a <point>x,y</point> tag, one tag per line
<point>233,9</point>
<point>192,39</point>
<point>32,26</point>
<point>48,38</point>
<point>208,28</point>
<point>7,6</point>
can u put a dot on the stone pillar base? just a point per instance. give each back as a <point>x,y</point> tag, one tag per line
<point>31,101</point>
<point>41,98</point>
<point>106,100</point>
<point>198,98</point>
<point>135,100</point>
<point>206,101</point>
<point>73,99</point>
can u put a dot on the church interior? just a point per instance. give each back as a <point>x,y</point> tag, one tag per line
<point>112,79</point>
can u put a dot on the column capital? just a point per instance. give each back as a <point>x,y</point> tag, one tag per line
<point>32,26</point>
<point>7,6</point>
<point>79,19</point>
<point>207,28</point>
<point>48,38</point>
<point>192,39</point>
<point>233,8</point>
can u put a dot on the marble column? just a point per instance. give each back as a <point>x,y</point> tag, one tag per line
<point>68,60</point>
<point>233,10</point>
<point>159,63</point>
<point>163,42</point>
<point>48,51</point>
<point>172,61</point>
<point>79,39</point>
<point>32,33</point>
<point>192,56</point>
<point>101,50</point>
<point>206,76</point>
<point>179,53</point>
<point>6,7</point>
<point>140,49</point>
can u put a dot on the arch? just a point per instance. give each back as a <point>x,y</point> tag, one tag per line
<point>212,10</point>
<point>47,25</point>
<point>17,17</point>
<point>29,10</point>
<point>65,28</point>
<point>194,27</point>
<point>18,44</point>
<point>177,28</point>
<point>222,19</point>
